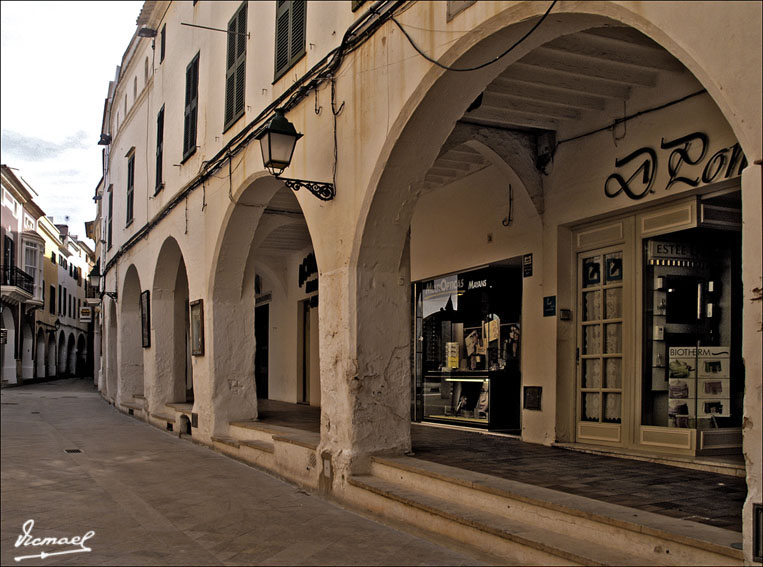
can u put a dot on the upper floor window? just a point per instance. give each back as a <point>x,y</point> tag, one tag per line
<point>162,42</point>
<point>33,267</point>
<point>9,253</point>
<point>235,68</point>
<point>109,217</point>
<point>52,300</point>
<point>191,107</point>
<point>29,223</point>
<point>134,89</point>
<point>159,150</point>
<point>290,33</point>
<point>130,185</point>
<point>10,202</point>
<point>145,71</point>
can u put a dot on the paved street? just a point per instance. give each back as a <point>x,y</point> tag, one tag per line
<point>150,498</point>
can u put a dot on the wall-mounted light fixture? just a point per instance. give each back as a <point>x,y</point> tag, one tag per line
<point>105,140</point>
<point>95,281</point>
<point>146,32</point>
<point>277,140</point>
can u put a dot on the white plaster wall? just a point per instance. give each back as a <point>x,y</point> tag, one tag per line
<point>383,85</point>
<point>752,350</point>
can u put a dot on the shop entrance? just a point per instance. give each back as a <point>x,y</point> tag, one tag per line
<point>659,331</point>
<point>600,344</point>
<point>468,351</point>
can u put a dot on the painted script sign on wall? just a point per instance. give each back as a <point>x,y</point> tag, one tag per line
<point>686,160</point>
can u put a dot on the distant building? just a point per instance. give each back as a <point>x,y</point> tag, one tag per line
<point>42,295</point>
<point>22,280</point>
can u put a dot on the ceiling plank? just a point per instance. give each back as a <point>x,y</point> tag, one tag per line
<point>504,118</point>
<point>609,49</point>
<point>566,80</point>
<point>590,67</point>
<point>546,93</point>
<point>527,105</point>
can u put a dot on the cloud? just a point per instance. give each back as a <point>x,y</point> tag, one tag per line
<point>34,149</point>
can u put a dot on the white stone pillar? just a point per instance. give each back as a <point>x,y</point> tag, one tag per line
<point>752,281</point>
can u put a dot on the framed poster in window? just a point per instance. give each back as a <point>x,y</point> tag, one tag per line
<point>197,327</point>
<point>145,318</point>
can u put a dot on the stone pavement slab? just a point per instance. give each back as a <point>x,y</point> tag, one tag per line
<point>153,499</point>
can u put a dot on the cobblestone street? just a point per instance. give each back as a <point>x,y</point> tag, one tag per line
<point>153,499</point>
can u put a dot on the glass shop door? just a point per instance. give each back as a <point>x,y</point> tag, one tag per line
<point>601,296</point>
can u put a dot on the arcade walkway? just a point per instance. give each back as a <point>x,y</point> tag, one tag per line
<point>697,495</point>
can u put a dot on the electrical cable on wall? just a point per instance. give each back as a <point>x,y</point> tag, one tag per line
<point>482,65</point>
<point>510,216</point>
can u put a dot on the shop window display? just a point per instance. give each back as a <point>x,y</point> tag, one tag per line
<point>693,374</point>
<point>468,347</point>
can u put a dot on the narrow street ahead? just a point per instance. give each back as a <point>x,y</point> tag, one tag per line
<point>134,495</point>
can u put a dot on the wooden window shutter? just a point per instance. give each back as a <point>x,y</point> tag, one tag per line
<point>130,186</point>
<point>235,68</point>
<point>298,23</point>
<point>109,217</point>
<point>162,42</point>
<point>291,24</point>
<point>159,149</point>
<point>191,107</point>
<point>282,37</point>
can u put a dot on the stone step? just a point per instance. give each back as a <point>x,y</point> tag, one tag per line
<point>230,441</point>
<point>508,539</point>
<point>651,537</point>
<point>181,408</point>
<point>251,430</point>
<point>258,445</point>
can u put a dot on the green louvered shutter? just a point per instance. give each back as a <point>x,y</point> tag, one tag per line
<point>235,67</point>
<point>290,34</point>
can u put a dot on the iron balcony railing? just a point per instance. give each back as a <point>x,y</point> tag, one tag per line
<point>17,277</point>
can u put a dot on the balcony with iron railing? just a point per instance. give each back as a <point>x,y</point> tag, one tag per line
<point>17,285</point>
<point>17,277</point>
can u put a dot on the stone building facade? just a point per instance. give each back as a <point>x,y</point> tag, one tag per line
<point>546,221</point>
<point>44,282</point>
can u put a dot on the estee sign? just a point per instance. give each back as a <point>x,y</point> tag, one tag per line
<point>26,539</point>
<point>687,164</point>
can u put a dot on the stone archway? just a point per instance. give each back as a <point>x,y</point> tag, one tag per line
<point>51,355</point>
<point>111,368</point>
<point>61,366</point>
<point>27,351</point>
<point>370,401</point>
<point>40,354</point>
<point>170,314</point>
<point>71,356</point>
<point>9,356</point>
<point>254,226</point>
<point>129,350</point>
<point>81,356</point>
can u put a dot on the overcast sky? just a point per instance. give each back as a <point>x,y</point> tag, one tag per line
<point>57,59</point>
